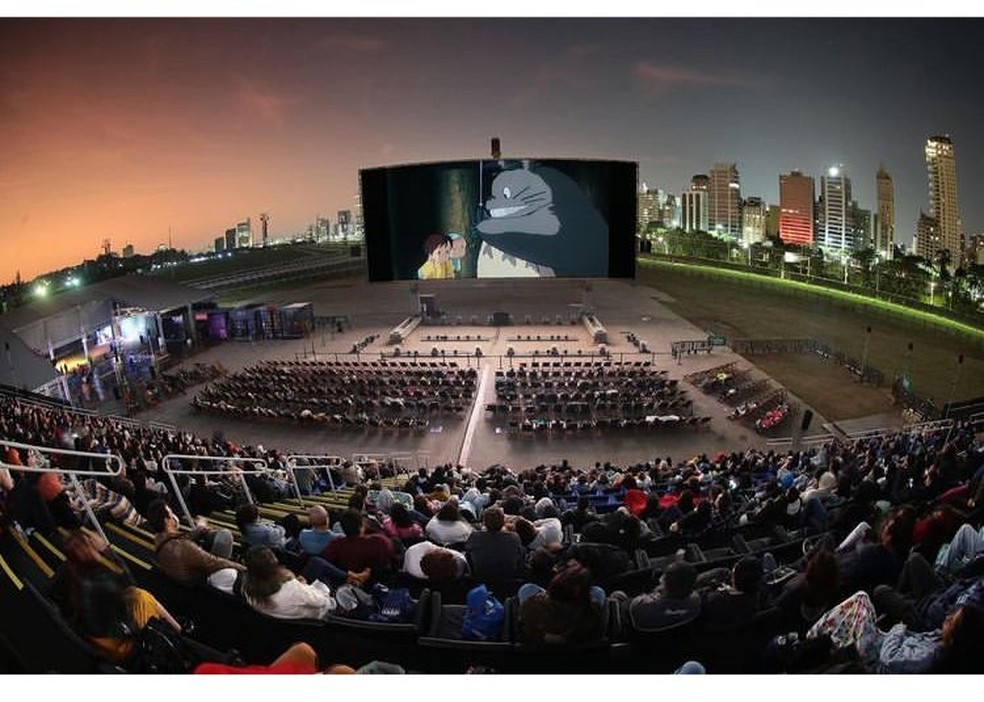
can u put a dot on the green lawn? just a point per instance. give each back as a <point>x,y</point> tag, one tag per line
<point>739,304</point>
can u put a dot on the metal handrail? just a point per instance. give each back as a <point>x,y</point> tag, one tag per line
<point>412,457</point>
<point>72,474</point>
<point>361,459</point>
<point>262,467</point>
<point>817,439</point>
<point>885,431</point>
<point>54,406</point>
<point>330,462</point>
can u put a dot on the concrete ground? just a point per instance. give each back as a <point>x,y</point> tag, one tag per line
<point>622,306</point>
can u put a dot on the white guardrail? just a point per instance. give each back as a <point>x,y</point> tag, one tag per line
<point>72,473</point>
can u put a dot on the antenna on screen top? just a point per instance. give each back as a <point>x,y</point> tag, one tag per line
<point>496,149</point>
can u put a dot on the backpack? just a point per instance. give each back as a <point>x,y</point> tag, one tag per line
<point>395,606</point>
<point>162,650</point>
<point>484,616</point>
<point>354,602</point>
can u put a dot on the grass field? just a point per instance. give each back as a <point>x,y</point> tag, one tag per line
<point>744,306</point>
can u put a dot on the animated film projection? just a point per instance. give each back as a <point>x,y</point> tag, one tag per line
<point>516,218</point>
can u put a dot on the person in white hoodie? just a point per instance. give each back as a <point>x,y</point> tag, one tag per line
<point>272,589</point>
<point>448,526</point>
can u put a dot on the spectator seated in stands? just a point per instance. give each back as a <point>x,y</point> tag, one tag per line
<point>824,489</point>
<point>315,539</point>
<point>418,483</point>
<point>426,560</point>
<point>359,550</point>
<point>923,599</point>
<point>270,588</point>
<point>618,528</point>
<point>954,648</point>
<point>730,603</point>
<point>570,611</point>
<point>695,522</point>
<point>259,532</point>
<point>180,555</point>
<point>399,524</point>
<point>582,515</point>
<point>384,499</point>
<point>967,544</point>
<point>96,592</point>
<point>495,554</point>
<point>809,594</point>
<point>671,604</point>
<point>64,501</point>
<point>448,526</point>
<point>869,564</point>
<point>543,533</point>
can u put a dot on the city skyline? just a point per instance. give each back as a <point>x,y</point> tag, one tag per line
<point>128,128</point>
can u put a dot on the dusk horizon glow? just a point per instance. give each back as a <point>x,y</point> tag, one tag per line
<point>129,129</point>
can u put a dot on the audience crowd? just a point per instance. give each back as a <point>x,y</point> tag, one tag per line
<point>870,550</point>
<point>363,393</point>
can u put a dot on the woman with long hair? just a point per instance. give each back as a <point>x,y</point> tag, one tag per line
<point>448,526</point>
<point>272,589</point>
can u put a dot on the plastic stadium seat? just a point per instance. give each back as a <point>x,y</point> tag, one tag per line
<point>443,632</point>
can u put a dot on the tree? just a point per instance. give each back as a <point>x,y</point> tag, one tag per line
<point>942,259</point>
<point>865,259</point>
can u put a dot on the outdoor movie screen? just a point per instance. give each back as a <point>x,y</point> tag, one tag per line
<point>503,218</point>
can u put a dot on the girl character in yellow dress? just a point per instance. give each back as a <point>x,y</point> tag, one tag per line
<point>438,265</point>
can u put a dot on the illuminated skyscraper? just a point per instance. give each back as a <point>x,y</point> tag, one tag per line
<point>724,201</point>
<point>694,205</point>
<point>796,208</point>
<point>836,230</point>
<point>753,221</point>
<point>244,234</point>
<point>668,212</point>
<point>941,167</point>
<point>884,232</point>
<point>648,207</point>
<point>928,240</point>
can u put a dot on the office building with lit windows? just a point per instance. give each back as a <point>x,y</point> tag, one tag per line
<point>724,202</point>
<point>694,205</point>
<point>941,167</point>
<point>796,208</point>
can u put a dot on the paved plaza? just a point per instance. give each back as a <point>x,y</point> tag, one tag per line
<point>374,309</point>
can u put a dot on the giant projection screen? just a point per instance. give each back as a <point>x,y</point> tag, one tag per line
<point>504,218</point>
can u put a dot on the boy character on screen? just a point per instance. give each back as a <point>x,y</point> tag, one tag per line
<point>443,256</point>
<point>541,224</point>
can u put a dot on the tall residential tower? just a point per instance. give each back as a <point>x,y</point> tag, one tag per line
<point>884,243</point>
<point>836,226</point>
<point>941,167</point>
<point>724,202</point>
<point>694,205</point>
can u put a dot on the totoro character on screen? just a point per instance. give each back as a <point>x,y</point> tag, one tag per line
<point>540,224</point>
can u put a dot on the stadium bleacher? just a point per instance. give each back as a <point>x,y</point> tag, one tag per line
<point>628,525</point>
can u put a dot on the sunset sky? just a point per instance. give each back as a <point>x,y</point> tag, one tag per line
<point>124,128</point>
